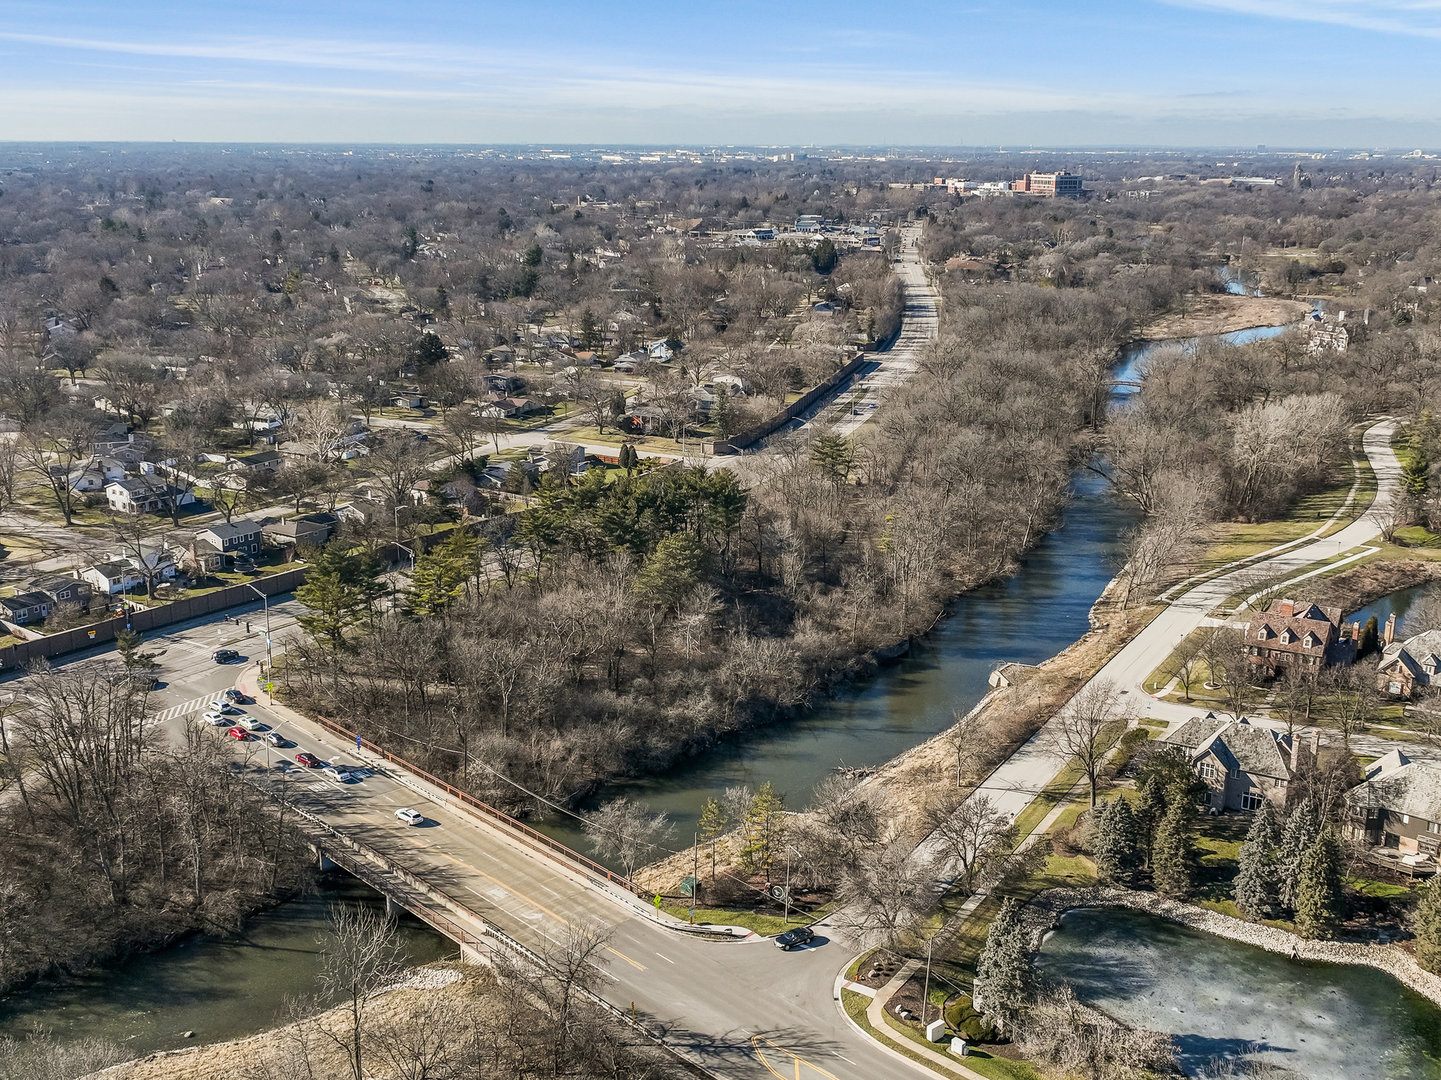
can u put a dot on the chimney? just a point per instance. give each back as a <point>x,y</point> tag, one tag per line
<point>1295,752</point>
<point>1285,608</point>
<point>1356,633</point>
<point>1388,635</point>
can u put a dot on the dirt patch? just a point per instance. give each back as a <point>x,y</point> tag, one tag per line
<point>1365,584</point>
<point>1222,313</point>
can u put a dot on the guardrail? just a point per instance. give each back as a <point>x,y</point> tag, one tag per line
<point>534,837</point>
<point>350,854</point>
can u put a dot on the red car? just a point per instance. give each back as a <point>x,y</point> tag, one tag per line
<point>238,733</point>
<point>310,761</point>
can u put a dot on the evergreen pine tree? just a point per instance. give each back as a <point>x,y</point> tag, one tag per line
<point>1318,888</point>
<point>1426,924</point>
<point>1171,855</point>
<point>1118,852</point>
<point>764,829</point>
<point>1302,828</point>
<point>1256,889</point>
<point>1005,980</point>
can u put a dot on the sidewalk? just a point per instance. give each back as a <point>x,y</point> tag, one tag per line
<point>251,684</point>
<point>876,1017</point>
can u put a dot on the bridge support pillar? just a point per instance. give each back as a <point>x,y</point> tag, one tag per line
<point>323,861</point>
<point>392,909</point>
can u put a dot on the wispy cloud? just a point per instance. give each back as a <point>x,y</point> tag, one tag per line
<point>1412,18</point>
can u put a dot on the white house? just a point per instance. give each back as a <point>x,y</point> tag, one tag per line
<point>144,495</point>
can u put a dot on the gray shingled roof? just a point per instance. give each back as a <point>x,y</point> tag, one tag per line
<point>1414,652</point>
<point>1408,787</point>
<point>1253,750</point>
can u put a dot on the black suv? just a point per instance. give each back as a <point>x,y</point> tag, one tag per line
<point>801,935</point>
<point>225,656</point>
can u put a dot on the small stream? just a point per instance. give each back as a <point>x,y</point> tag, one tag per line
<point>1223,999</point>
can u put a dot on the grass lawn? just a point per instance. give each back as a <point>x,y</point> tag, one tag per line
<point>1236,540</point>
<point>758,921</point>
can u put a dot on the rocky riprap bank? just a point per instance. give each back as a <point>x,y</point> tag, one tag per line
<point>1044,912</point>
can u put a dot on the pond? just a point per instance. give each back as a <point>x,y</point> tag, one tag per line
<point>1399,601</point>
<point>1222,999</point>
<point>217,988</point>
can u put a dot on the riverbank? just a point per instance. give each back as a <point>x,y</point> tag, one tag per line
<point>1223,313</point>
<point>282,1048</point>
<point>1045,910</point>
<point>924,777</point>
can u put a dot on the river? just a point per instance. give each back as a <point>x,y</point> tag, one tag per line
<point>1222,999</point>
<point>224,989</point>
<point>1029,617</point>
<point>217,988</point>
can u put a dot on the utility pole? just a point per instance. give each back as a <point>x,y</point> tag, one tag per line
<point>695,872</point>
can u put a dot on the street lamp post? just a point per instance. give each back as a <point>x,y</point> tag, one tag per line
<point>789,849</point>
<point>269,656</point>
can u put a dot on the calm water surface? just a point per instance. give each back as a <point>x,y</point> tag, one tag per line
<point>1223,999</point>
<point>218,988</point>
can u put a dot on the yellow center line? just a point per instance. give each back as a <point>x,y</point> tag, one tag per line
<point>795,1060</point>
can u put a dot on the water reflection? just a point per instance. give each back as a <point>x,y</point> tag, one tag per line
<point>1224,999</point>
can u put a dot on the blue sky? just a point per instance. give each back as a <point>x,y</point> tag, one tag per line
<point>970,72</point>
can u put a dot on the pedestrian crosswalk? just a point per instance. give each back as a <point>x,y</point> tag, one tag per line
<point>185,708</point>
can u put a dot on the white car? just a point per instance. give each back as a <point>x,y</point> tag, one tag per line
<point>214,719</point>
<point>338,775</point>
<point>249,723</point>
<point>409,816</point>
<point>220,705</point>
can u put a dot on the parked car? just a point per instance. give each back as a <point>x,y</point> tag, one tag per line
<point>250,723</point>
<point>274,738</point>
<point>409,816</point>
<point>309,761</point>
<point>801,935</point>
<point>238,733</point>
<point>225,656</point>
<point>339,775</point>
<point>236,697</point>
<point>213,718</point>
<point>223,707</point>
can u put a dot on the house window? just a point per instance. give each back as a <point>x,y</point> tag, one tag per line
<point>1251,800</point>
<point>1433,826</point>
<point>1405,819</point>
<point>1236,773</point>
<point>1393,688</point>
<point>1207,770</point>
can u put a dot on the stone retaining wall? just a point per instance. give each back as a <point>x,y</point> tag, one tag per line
<point>1044,912</point>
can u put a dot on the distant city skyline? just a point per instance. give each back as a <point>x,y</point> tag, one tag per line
<point>1106,72</point>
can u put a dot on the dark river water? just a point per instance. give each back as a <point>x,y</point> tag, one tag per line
<point>224,989</point>
<point>218,988</point>
<point>1222,999</point>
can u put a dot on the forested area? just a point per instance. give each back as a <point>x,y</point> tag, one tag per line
<point>114,839</point>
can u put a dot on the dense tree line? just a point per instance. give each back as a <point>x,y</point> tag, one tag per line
<point>114,839</point>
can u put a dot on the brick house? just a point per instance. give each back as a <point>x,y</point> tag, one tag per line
<point>1294,633</point>
<point>1242,765</point>
<point>1398,807</point>
<point>1407,665</point>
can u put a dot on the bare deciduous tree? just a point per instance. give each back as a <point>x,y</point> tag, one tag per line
<point>1081,729</point>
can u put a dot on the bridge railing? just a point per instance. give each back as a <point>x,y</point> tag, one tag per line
<point>369,865</point>
<point>533,837</point>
